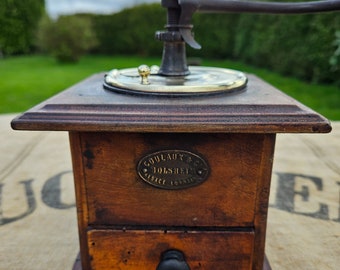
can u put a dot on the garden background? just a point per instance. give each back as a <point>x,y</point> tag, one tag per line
<point>299,54</point>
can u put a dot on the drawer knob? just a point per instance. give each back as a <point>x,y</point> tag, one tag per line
<point>173,260</point>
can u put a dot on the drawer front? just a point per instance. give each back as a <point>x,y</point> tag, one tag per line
<point>116,195</point>
<point>138,250</point>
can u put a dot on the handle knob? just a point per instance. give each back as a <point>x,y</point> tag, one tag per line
<point>173,260</point>
<point>144,71</point>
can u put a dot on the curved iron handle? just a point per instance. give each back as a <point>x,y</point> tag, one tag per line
<point>189,7</point>
<point>180,13</point>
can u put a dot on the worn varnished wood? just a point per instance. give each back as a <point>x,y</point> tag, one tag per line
<point>88,107</point>
<point>81,197</point>
<point>77,264</point>
<point>262,199</point>
<point>226,199</point>
<point>119,213</point>
<point>234,196</point>
<point>203,250</point>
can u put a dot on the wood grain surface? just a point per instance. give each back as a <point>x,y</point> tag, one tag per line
<point>141,250</point>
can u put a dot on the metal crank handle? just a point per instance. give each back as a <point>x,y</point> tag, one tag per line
<point>189,7</point>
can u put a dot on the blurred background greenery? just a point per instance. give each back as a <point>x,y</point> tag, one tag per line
<point>40,56</point>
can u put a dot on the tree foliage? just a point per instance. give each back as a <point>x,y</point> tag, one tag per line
<point>304,46</point>
<point>18,22</point>
<point>131,31</point>
<point>68,38</point>
<point>296,45</point>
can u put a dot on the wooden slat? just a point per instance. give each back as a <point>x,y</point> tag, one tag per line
<point>88,107</point>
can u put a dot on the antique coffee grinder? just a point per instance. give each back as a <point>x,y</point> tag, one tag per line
<point>172,165</point>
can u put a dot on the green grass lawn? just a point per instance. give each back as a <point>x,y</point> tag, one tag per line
<point>26,81</point>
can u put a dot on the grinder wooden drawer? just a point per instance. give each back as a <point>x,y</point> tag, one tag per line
<point>141,250</point>
<point>116,195</point>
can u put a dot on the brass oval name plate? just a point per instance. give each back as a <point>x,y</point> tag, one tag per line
<point>173,169</point>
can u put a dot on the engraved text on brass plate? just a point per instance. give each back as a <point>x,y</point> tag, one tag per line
<point>173,169</point>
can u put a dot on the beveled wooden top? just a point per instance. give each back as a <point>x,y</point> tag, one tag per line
<point>86,106</point>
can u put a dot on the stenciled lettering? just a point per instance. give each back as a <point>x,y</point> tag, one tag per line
<point>289,194</point>
<point>284,198</point>
<point>51,192</point>
<point>30,199</point>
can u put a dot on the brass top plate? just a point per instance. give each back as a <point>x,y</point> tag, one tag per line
<point>200,81</point>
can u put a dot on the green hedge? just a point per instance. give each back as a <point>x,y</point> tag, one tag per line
<point>130,31</point>
<point>295,45</point>
<point>67,38</point>
<point>303,46</point>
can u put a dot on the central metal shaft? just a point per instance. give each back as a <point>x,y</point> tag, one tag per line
<point>174,62</point>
